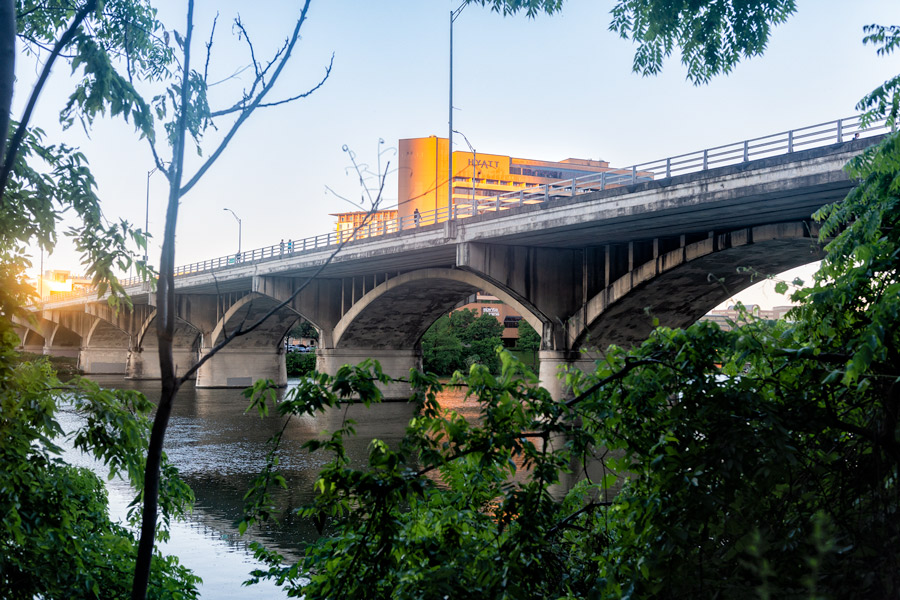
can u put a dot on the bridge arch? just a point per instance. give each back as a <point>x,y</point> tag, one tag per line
<point>419,297</point>
<point>143,360</point>
<point>675,287</point>
<point>31,335</point>
<point>247,310</point>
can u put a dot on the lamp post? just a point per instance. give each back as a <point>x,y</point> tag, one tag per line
<point>147,212</point>
<point>239,229</point>
<point>453,15</point>
<point>380,152</point>
<point>474,166</point>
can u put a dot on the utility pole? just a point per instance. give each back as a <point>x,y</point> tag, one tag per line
<point>453,15</point>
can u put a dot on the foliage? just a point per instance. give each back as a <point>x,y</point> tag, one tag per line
<point>304,329</point>
<point>884,100</point>
<point>758,462</point>
<point>300,364</point>
<point>714,35</point>
<point>529,339</point>
<point>56,538</point>
<point>461,339</point>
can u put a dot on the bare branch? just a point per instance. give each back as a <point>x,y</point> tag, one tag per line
<point>240,105</point>
<point>257,77</point>
<point>304,94</point>
<point>209,44</point>
<point>245,114</point>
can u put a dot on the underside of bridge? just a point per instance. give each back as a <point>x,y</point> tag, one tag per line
<point>259,354</point>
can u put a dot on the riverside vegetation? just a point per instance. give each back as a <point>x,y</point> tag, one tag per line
<point>761,462</point>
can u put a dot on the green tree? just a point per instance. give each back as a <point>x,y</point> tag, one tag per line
<point>529,339</point>
<point>442,351</point>
<point>759,462</point>
<point>300,364</point>
<point>304,329</point>
<point>57,539</point>
<point>482,338</point>
<point>460,339</point>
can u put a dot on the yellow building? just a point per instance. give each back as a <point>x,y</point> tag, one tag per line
<point>381,222</point>
<point>422,177</point>
<point>57,281</point>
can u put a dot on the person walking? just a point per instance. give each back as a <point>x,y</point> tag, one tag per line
<point>417,217</point>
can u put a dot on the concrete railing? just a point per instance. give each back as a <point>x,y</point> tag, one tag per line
<point>777,144</point>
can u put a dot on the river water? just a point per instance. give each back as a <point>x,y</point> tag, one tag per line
<point>218,448</point>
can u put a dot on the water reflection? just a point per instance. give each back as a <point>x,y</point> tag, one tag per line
<point>219,449</point>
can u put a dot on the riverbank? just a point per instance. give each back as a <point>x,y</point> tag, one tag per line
<point>66,367</point>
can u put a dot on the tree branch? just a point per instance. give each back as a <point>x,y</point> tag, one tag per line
<point>245,113</point>
<point>165,328</point>
<point>19,135</point>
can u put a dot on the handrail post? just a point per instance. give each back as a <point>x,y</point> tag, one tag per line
<point>521,197</point>
<point>746,150</point>
<point>791,141</point>
<point>573,186</point>
<point>633,174</point>
<point>668,167</point>
<point>546,192</point>
<point>840,131</point>
<point>602,180</point>
<point>705,160</point>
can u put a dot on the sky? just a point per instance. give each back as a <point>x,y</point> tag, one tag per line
<point>551,87</point>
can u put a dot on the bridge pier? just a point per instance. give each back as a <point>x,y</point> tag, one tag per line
<point>144,364</point>
<point>240,367</point>
<point>68,351</point>
<point>395,363</point>
<point>551,363</point>
<point>96,360</point>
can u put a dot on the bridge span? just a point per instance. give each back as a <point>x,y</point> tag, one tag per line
<point>586,263</point>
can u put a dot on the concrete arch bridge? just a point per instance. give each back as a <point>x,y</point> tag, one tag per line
<point>582,268</point>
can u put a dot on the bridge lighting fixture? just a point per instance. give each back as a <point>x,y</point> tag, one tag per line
<point>239,228</point>
<point>474,166</point>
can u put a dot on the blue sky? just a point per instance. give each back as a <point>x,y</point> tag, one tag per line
<point>551,87</point>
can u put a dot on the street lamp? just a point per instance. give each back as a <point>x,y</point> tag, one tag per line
<point>474,166</point>
<point>147,213</point>
<point>380,152</point>
<point>453,15</point>
<point>239,229</point>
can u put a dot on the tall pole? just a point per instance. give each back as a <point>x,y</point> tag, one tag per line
<point>239,228</point>
<point>147,213</point>
<point>453,15</point>
<point>450,120</point>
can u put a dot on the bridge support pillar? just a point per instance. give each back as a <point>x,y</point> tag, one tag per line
<point>240,367</point>
<point>144,364</point>
<point>395,363</point>
<point>551,363</point>
<point>103,360</point>
<point>69,351</point>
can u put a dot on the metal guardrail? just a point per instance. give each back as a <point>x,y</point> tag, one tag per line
<point>777,144</point>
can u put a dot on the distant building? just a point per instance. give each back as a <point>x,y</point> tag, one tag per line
<point>422,176</point>
<point>379,223</point>
<point>58,281</point>
<point>485,304</point>
<point>726,317</point>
